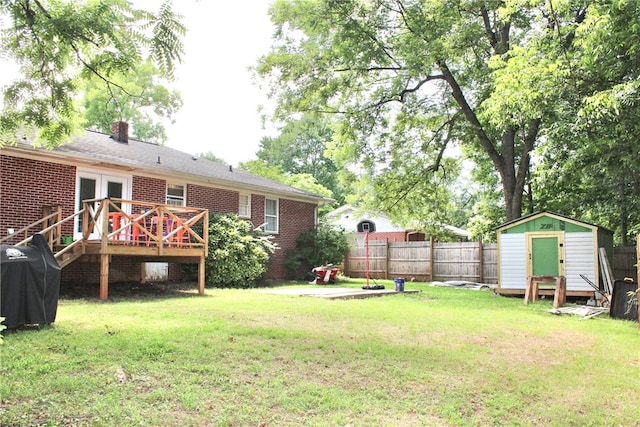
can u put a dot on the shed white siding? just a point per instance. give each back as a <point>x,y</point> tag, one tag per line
<point>513,261</point>
<point>579,259</point>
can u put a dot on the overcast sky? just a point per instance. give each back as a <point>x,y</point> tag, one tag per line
<point>220,112</point>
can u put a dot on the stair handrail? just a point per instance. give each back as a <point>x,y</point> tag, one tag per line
<point>30,226</point>
<point>51,227</point>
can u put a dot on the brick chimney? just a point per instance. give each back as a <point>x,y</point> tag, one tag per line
<point>120,132</point>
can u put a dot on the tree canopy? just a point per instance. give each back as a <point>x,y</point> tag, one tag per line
<point>300,147</point>
<point>589,167</point>
<point>59,44</point>
<point>409,80</point>
<point>138,98</point>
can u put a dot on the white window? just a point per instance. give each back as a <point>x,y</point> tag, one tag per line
<point>271,215</point>
<point>244,209</point>
<point>175,195</point>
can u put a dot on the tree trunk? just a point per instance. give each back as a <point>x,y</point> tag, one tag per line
<point>513,167</point>
<point>624,229</point>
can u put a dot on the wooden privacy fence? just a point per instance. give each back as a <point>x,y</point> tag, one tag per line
<point>432,261</point>
<point>425,261</point>
<point>624,260</point>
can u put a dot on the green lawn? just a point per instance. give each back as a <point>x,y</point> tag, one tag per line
<point>247,358</point>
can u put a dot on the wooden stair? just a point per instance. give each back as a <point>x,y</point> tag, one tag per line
<point>68,254</point>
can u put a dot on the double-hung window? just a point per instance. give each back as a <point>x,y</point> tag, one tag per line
<point>244,206</point>
<point>271,215</point>
<point>176,194</point>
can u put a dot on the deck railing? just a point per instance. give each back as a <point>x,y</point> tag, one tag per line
<point>136,223</point>
<point>111,221</point>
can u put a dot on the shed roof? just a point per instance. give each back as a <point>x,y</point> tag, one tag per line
<point>100,149</point>
<point>539,214</point>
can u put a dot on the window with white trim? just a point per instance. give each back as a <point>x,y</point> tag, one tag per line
<point>176,195</point>
<point>244,206</point>
<point>271,215</point>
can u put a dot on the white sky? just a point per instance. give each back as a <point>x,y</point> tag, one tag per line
<point>220,112</point>
<point>220,100</point>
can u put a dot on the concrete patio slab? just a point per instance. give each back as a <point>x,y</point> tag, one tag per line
<point>335,293</point>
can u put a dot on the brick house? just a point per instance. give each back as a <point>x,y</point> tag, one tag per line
<point>97,165</point>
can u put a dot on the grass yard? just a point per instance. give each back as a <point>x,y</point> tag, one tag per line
<point>439,357</point>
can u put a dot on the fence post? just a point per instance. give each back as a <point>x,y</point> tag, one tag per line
<point>431,254</point>
<point>386,259</point>
<point>481,255</point>
<point>345,267</point>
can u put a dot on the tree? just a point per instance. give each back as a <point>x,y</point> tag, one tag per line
<point>590,166</point>
<point>300,149</point>
<point>422,76</point>
<point>210,156</point>
<point>325,244</point>
<point>264,169</point>
<point>59,44</point>
<point>303,181</point>
<point>136,98</point>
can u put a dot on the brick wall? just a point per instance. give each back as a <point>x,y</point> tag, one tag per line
<point>295,218</point>
<point>214,199</point>
<point>257,209</point>
<point>86,270</point>
<point>27,185</point>
<point>151,190</point>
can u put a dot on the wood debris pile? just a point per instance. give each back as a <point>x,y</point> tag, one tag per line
<point>585,311</point>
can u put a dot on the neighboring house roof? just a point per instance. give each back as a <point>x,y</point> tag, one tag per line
<point>101,150</point>
<point>348,218</point>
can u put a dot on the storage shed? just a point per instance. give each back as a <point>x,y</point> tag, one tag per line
<point>550,244</point>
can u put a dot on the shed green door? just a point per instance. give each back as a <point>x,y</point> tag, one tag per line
<point>545,253</point>
<point>545,260</point>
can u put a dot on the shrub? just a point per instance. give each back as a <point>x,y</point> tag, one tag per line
<point>325,244</point>
<point>238,254</point>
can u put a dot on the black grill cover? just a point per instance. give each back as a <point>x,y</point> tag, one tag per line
<point>30,283</point>
<point>621,308</point>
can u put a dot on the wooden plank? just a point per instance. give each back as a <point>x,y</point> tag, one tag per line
<point>606,268</point>
<point>104,276</point>
<point>434,261</point>
<point>201,274</point>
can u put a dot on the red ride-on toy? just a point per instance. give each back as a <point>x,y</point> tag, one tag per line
<point>323,275</point>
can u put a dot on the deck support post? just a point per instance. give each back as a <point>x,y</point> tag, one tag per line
<point>201,276</point>
<point>104,276</point>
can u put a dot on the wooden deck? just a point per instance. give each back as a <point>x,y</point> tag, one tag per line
<point>109,227</point>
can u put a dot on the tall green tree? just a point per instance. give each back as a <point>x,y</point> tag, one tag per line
<point>300,147</point>
<point>209,155</point>
<point>303,181</point>
<point>138,98</point>
<point>590,166</point>
<point>424,75</point>
<point>59,43</point>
